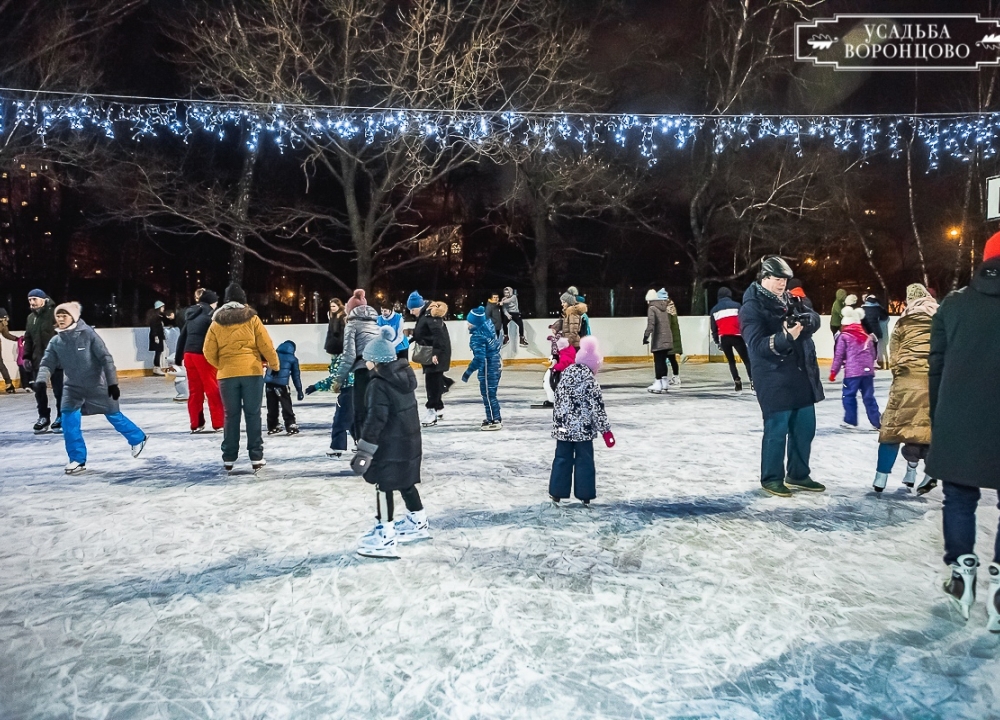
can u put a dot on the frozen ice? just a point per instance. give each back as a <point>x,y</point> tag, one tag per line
<point>163,588</point>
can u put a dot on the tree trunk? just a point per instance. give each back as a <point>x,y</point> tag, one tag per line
<point>540,268</point>
<point>913,211</point>
<point>366,264</point>
<point>237,250</point>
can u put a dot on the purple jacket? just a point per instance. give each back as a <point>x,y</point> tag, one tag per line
<point>855,355</point>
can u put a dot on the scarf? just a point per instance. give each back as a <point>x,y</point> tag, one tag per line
<point>768,294</point>
<point>926,305</point>
<point>856,332</point>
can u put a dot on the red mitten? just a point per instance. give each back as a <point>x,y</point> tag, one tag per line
<point>609,439</point>
<point>833,377</point>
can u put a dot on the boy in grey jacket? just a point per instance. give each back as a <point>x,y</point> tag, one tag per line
<point>511,309</point>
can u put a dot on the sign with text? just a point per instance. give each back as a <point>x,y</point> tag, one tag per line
<point>862,42</point>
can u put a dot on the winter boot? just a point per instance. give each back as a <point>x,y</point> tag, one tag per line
<point>523,342</point>
<point>75,468</point>
<point>776,487</point>
<point>739,385</point>
<point>56,426</point>
<point>805,484</point>
<point>881,479</point>
<point>412,527</point>
<point>275,430</point>
<point>379,542</point>
<point>137,448</point>
<point>911,475</point>
<point>961,586</point>
<point>925,485</point>
<point>41,425</point>
<point>428,417</point>
<point>10,389</point>
<point>993,599</point>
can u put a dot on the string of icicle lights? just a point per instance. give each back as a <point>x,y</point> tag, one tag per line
<point>936,136</point>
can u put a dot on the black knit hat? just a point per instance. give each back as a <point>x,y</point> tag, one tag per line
<point>724,292</point>
<point>234,293</point>
<point>209,297</point>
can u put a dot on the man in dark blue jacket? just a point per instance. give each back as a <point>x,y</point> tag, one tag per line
<point>778,330</point>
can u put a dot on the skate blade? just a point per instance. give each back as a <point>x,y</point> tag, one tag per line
<point>378,553</point>
<point>993,625</point>
<point>963,609</point>
<point>413,537</point>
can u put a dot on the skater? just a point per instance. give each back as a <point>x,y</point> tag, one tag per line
<point>5,333</point>
<point>203,382</point>
<point>237,344</point>
<point>873,318</point>
<point>343,416</point>
<point>577,418</point>
<point>572,317</point>
<point>431,334</point>
<point>337,317</point>
<point>836,312</point>
<point>675,355</point>
<point>389,449</point>
<point>361,329</point>
<point>786,378</point>
<point>494,313</point>
<point>964,453</point>
<point>391,317</point>
<point>156,319</point>
<point>91,384</point>
<point>277,393</point>
<point>485,345</point>
<point>854,352</point>
<point>659,338</point>
<point>511,309</point>
<point>38,332</point>
<point>725,322</point>
<point>907,416</point>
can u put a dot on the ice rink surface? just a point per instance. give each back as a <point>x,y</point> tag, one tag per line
<point>161,588</point>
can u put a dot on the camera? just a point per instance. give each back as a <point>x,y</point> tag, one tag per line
<point>797,313</point>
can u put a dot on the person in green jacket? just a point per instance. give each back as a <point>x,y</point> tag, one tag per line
<point>675,331</point>
<point>837,312</point>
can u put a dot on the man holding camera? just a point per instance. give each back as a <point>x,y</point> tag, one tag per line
<point>778,330</point>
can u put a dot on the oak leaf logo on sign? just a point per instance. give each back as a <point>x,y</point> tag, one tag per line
<point>864,42</point>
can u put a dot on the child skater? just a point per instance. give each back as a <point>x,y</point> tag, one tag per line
<point>485,345</point>
<point>578,418</point>
<point>90,385</point>
<point>390,316</point>
<point>277,392</point>
<point>855,352</point>
<point>389,449</point>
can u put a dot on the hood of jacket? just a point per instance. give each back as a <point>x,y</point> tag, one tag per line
<point>841,294</point>
<point>438,309</point>
<point>661,305</point>
<point>363,312</point>
<point>398,374</point>
<point>196,310</point>
<point>286,348</point>
<point>580,308</point>
<point>987,279</point>
<point>233,313</point>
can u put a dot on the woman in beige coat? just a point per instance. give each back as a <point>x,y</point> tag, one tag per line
<point>907,417</point>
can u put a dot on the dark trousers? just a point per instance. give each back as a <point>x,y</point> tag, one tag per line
<point>42,398</point>
<point>672,357</point>
<point>728,343</point>
<point>573,468</point>
<point>403,354</point>
<point>411,498</point>
<point>362,378</point>
<point>242,396</point>
<point>157,358</point>
<point>791,431</point>
<point>660,363</point>
<point>516,319</point>
<point>959,514</point>
<point>4,373</point>
<point>343,421</point>
<point>435,382</point>
<point>279,396</point>
<point>24,375</point>
<point>913,453</point>
<point>866,386</point>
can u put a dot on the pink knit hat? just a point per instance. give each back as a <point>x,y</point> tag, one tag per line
<point>356,300</point>
<point>589,353</point>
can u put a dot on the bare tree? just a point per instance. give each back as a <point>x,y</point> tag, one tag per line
<point>463,55</point>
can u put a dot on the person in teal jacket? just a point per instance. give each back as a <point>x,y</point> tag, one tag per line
<point>391,317</point>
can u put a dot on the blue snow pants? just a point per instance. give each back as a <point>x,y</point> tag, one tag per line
<point>489,381</point>
<point>343,420</point>
<point>866,385</point>
<point>573,467</point>
<point>76,448</point>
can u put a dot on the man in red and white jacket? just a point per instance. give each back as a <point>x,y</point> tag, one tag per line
<point>726,334</point>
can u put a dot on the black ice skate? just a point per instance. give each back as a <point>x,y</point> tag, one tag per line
<point>275,430</point>
<point>739,385</point>
<point>293,429</point>
<point>56,426</point>
<point>961,586</point>
<point>41,425</point>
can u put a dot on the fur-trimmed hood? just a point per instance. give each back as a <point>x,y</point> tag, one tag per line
<point>578,309</point>
<point>438,309</point>
<point>233,313</point>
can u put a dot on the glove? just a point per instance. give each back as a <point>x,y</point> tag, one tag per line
<point>301,396</point>
<point>609,439</point>
<point>38,387</point>
<point>113,392</point>
<point>29,367</point>
<point>362,459</point>
<point>833,377</point>
<point>310,390</point>
<point>645,341</point>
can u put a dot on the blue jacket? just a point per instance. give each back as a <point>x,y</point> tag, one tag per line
<point>485,346</point>
<point>785,371</point>
<point>289,367</point>
<point>395,321</point>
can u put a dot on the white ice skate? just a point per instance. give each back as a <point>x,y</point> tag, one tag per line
<point>925,485</point>
<point>379,542</point>
<point>428,418</point>
<point>75,468</point>
<point>228,466</point>
<point>674,382</point>
<point>258,465</point>
<point>911,476</point>
<point>412,527</point>
<point>961,586</point>
<point>881,479</point>
<point>993,599</point>
<point>137,448</point>
<point>658,387</point>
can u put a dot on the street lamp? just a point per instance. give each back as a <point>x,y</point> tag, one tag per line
<point>954,233</point>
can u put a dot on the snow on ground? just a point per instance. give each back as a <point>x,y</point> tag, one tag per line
<point>160,587</point>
